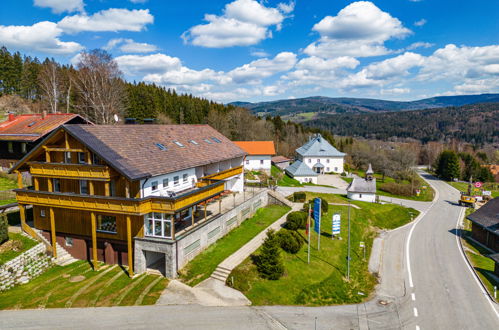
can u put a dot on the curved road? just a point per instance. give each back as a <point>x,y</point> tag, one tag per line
<point>444,294</point>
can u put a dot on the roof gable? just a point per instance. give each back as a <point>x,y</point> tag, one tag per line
<point>319,146</point>
<point>257,147</point>
<point>361,185</point>
<point>298,168</point>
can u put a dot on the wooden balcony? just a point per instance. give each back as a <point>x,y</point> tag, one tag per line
<point>129,206</point>
<point>70,171</point>
<point>224,174</point>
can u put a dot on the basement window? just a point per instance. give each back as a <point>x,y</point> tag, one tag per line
<point>106,223</point>
<point>68,241</point>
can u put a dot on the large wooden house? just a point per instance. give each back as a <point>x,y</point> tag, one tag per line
<point>19,134</point>
<point>98,188</point>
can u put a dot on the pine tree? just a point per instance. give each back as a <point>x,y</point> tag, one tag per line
<point>447,167</point>
<point>269,263</point>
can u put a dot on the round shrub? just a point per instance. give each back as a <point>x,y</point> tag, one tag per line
<point>299,196</point>
<point>290,241</point>
<point>296,220</point>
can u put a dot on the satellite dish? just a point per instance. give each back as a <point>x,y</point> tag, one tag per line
<point>116,119</point>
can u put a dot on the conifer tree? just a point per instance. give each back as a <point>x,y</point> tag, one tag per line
<point>269,263</point>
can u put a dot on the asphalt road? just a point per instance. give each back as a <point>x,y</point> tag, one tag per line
<point>446,295</point>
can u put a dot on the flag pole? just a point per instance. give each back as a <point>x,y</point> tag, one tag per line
<point>348,254</point>
<point>319,231</point>
<point>308,230</point>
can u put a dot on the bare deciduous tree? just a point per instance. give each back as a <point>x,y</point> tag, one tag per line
<point>99,85</point>
<point>50,83</point>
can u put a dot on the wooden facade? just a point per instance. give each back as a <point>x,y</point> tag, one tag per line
<point>75,194</point>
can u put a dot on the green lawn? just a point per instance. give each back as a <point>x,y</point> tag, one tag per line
<point>109,286</point>
<point>6,184</point>
<point>426,195</point>
<point>16,245</point>
<point>323,281</point>
<point>201,267</point>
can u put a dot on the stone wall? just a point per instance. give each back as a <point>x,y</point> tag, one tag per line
<point>179,252</point>
<point>24,267</point>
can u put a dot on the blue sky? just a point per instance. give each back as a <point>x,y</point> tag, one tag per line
<point>250,50</point>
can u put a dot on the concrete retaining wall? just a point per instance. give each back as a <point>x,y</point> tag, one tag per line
<point>24,267</point>
<point>186,247</point>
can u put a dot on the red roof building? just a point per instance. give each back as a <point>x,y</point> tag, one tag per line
<point>19,134</point>
<point>259,154</point>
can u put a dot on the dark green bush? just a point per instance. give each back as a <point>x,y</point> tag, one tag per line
<point>268,262</point>
<point>299,196</point>
<point>394,188</point>
<point>290,241</point>
<point>296,220</point>
<point>4,229</point>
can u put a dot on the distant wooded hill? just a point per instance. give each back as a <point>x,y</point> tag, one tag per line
<point>313,107</point>
<point>477,124</point>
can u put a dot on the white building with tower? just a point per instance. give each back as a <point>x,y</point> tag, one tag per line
<point>363,189</point>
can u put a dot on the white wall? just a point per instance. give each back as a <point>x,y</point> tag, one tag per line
<point>147,187</point>
<point>305,179</point>
<point>365,197</point>
<point>335,163</point>
<point>253,162</point>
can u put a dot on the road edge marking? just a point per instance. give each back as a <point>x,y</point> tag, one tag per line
<point>467,262</point>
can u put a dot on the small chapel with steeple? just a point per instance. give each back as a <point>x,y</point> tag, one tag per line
<point>363,189</point>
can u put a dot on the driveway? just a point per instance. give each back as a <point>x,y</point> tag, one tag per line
<point>332,180</point>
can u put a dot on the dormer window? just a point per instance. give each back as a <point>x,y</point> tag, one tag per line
<point>67,157</point>
<point>81,158</point>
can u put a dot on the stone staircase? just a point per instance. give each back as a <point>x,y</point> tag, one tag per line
<point>221,274</point>
<point>63,256</point>
<point>279,197</point>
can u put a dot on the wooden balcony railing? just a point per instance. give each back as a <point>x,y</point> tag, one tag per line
<point>70,171</point>
<point>224,174</point>
<point>129,206</point>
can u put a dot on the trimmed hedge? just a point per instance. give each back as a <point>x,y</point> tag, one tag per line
<point>296,220</point>
<point>299,196</point>
<point>290,241</point>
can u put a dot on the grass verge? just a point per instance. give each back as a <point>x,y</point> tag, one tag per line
<point>16,245</point>
<point>58,288</point>
<point>323,281</point>
<point>463,186</point>
<point>201,267</point>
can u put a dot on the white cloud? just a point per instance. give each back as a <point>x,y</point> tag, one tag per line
<point>394,67</point>
<point>360,29</point>
<point>138,1</point>
<point>243,23</point>
<point>148,64</point>
<point>286,8</point>
<point>259,53</point>
<point>419,44</point>
<point>130,46</point>
<point>41,37</point>
<point>256,70</point>
<point>421,22</point>
<point>60,6</point>
<point>395,90</point>
<point>113,19</point>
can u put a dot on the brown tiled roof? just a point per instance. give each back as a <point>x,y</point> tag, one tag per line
<point>280,159</point>
<point>31,127</point>
<point>133,149</point>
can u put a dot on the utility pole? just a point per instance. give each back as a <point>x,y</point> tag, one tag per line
<point>319,232</point>
<point>348,253</point>
<point>308,229</point>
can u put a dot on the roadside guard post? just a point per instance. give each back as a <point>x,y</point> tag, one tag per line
<point>317,220</point>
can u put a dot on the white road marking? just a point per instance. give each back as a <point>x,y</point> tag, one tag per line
<point>421,216</point>
<point>473,274</point>
<point>413,296</point>
<point>415,312</point>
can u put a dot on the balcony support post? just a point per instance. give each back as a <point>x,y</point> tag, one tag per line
<point>22,214</point>
<point>173,226</point>
<point>219,204</point>
<point>192,216</point>
<point>19,180</point>
<point>205,206</point>
<point>94,240</point>
<point>52,232</point>
<point>129,241</point>
<point>50,186</point>
<point>91,190</point>
<point>106,189</point>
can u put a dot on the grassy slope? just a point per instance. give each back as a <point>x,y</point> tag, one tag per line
<point>323,281</point>
<point>206,262</point>
<point>425,195</point>
<point>25,244</point>
<point>53,289</point>
<point>7,184</point>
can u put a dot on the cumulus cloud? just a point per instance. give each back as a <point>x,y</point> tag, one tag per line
<point>421,22</point>
<point>130,46</point>
<point>394,67</point>
<point>60,6</point>
<point>395,90</point>
<point>139,64</point>
<point>113,19</point>
<point>360,29</point>
<point>243,23</point>
<point>42,37</point>
<point>256,70</point>
<point>259,53</point>
<point>419,44</point>
<point>138,1</point>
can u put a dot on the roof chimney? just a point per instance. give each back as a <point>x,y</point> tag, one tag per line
<point>44,114</point>
<point>12,116</point>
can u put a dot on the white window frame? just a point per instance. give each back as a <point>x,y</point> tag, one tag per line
<point>80,161</point>
<point>163,220</point>
<point>154,186</point>
<point>56,185</point>
<point>42,213</point>
<point>166,183</point>
<point>83,185</point>
<point>261,161</point>
<point>176,180</point>
<point>68,241</point>
<point>67,157</point>
<point>310,160</point>
<point>185,178</point>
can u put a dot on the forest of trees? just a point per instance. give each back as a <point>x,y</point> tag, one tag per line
<point>95,89</point>
<point>476,124</point>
